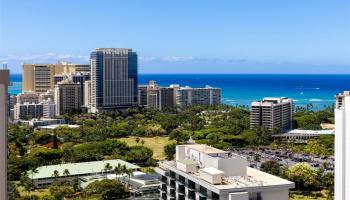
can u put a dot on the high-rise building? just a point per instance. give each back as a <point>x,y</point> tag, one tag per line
<point>274,114</point>
<point>155,96</point>
<point>113,79</point>
<point>79,77</point>
<point>47,95</point>
<point>187,96</point>
<point>87,94</point>
<point>28,110</point>
<point>342,146</point>
<point>49,108</point>
<point>40,77</point>
<point>203,172</point>
<point>68,97</point>
<point>142,95</point>
<point>4,82</point>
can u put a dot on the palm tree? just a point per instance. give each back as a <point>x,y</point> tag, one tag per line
<point>118,170</point>
<point>56,174</point>
<point>107,168</point>
<point>66,172</point>
<point>129,173</point>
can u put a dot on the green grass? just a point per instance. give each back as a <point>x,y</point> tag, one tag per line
<point>155,143</point>
<point>309,196</point>
<point>38,192</point>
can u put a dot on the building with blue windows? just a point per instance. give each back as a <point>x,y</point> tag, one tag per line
<point>114,74</point>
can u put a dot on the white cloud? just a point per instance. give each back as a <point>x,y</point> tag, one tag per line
<point>177,58</point>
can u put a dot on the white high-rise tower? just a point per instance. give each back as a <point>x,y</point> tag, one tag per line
<point>342,146</point>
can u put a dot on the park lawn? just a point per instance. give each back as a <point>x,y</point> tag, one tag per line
<point>155,143</point>
<point>300,196</point>
<point>37,192</point>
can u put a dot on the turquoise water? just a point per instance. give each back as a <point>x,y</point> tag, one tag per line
<point>241,89</point>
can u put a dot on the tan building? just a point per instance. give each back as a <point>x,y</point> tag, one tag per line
<point>274,114</point>
<point>87,94</point>
<point>4,82</point>
<point>68,97</point>
<point>40,77</point>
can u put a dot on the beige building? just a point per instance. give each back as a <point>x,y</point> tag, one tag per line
<point>40,77</point>
<point>4,82</point>
<point>68,97</point>
<point>87,94</point>
<point>274,114</point>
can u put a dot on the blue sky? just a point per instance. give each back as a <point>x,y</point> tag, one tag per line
<point>193,36</point>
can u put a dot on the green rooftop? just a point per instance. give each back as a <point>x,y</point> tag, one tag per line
<point>75,169</point>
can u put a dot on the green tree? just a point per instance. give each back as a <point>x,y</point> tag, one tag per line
<point>169,151</point>
<point>303,175</point>
<point>271,167</point>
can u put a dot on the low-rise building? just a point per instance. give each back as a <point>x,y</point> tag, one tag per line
<point>41,122</point>
<point>28,97</point>
<point>301,136</point>
<point>45,175</point>
<point>203,172</point>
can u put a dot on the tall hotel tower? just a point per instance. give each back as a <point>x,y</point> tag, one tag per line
<point>113,79</point>
<point>342,146</point>
<point>4,82</point>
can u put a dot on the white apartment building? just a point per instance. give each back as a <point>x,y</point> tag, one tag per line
<point>49,108</point>
<point>4,82</point>
<point>187,96</point>
<point>206,173</point>
<point>272,113</point>
<point>342,146</point>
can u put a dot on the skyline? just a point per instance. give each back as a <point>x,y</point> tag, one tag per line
<point>269,37</point>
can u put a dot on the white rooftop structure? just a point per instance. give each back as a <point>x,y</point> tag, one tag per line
<point>218,175</point>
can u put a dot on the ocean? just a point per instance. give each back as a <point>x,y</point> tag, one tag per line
<point>242,89</point>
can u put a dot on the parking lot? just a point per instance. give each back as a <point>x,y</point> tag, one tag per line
<point>284,158</point>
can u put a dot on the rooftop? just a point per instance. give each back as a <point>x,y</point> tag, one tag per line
<point>82,168</point>
<point>54,126</point>
<point>254,178</point>
<point>204,148</point>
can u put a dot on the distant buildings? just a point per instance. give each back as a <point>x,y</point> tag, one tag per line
<point>4,82</point>
<point>114,79</point>
<point>342,146</point>
<point>40,77</point>
<point>301,136</point>
<point>155,96</point>
<point>187,96</point>
<point>30,97</point>
<point>203,172</point>
<point>68,97</point>
<point>274,114</point>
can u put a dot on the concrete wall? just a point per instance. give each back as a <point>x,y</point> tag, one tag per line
<point>275,195</point>
<point>4,81</point>
<point>342,151</point>
<point>238,196</point>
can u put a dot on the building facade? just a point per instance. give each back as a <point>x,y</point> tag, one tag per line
<point>4,82</point>
<point>28,110</point>
<point>40,77</point>
<point>113,79</point>
<point>206,173</point>
<point>79,77</point>
<point>187,96</point>
<point>68,97</point>
<point>27,97</point>
<point>342,146</point>
<point>49,108</point>
<point>274,114</point>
